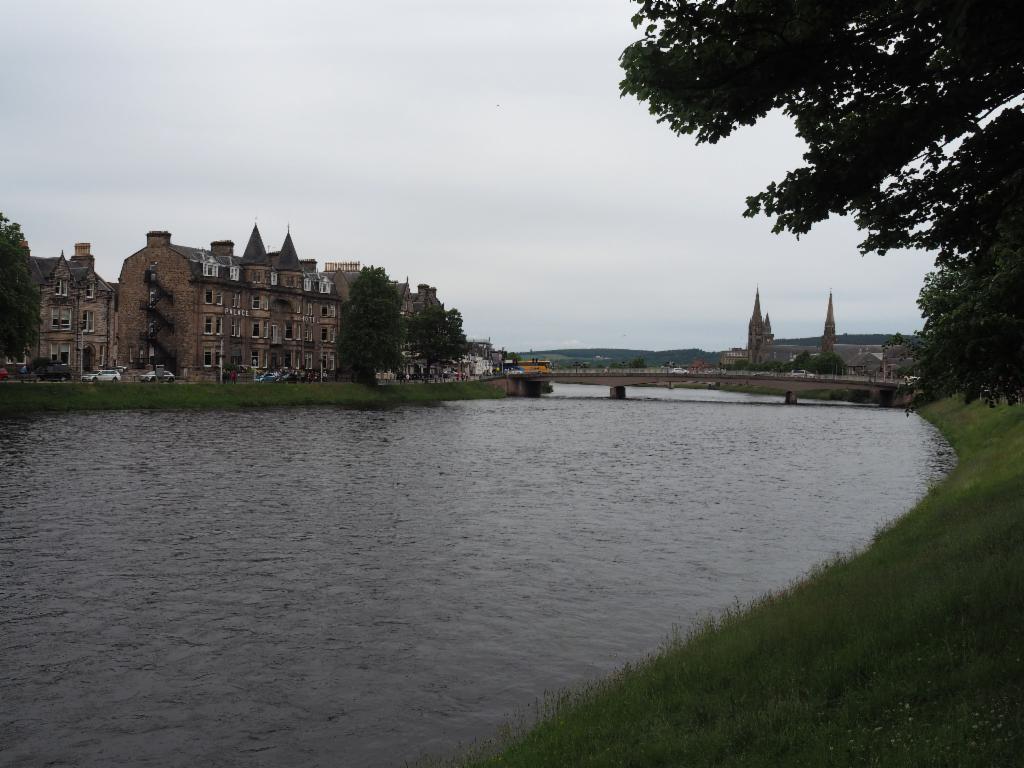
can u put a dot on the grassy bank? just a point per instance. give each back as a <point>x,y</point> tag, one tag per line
<point>908,654</point>
<point>18,399</point>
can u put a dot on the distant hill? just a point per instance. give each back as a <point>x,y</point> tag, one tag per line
<point>606,355</point>
<point>845,338</point>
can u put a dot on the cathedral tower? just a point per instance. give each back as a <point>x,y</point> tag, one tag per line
<point>759,333</point>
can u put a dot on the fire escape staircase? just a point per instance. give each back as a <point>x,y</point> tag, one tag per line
<point>157,322</point>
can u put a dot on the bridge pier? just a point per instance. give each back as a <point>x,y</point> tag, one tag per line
<point>886,398</point>
<point>518,387</point>
<point>617,393</point>
<point>790,398</point>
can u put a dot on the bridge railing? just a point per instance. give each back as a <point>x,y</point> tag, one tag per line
<point>718,375</point>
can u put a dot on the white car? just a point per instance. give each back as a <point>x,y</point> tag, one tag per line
<point>104,375</point>
<point>679,371</point>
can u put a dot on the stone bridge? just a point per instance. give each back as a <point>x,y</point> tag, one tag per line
<point>883,391</point>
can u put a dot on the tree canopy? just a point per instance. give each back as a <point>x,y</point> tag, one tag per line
<point>371,334</point>
<point>436,335</point>
<point>912,114</point>
<point>19,298</point>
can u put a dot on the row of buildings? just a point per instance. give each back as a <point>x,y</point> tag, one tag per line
<point>858,358</point>
<point>190,308</point>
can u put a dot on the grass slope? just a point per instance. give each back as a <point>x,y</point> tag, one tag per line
<point>908,654</point>
<point>18,399</point>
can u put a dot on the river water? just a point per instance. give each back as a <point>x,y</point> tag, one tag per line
<point>303,587</point>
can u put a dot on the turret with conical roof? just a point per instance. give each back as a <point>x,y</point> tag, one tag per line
<point>255,251</point>
<point>828,338</point>
<point>288,258</point>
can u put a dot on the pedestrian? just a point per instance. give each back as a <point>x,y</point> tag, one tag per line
<point>234,377</point>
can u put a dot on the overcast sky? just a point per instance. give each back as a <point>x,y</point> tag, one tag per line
<point>477,145</point>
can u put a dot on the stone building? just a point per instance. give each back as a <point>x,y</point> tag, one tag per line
<point>77,310</point>
<point>828,338</point>
<point>184,307</point>
<point>759,333</point>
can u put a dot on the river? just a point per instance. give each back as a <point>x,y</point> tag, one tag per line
<point>303,587</point>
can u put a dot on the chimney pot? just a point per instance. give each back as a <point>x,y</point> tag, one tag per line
<point>83,249</point>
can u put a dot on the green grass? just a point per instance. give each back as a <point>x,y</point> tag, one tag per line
<point>28,398</point>
<point>910,653</point>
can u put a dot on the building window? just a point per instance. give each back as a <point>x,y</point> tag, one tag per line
<point>273,278</point>
<point>255,301</point>
<point>207,357</point>
<point>87,325</point>
<point>90,291</point>
<point>235,327</point>
<point>220,326</point>
<point>266,330</point>
<point>332,310</point>
<point>208,296</point>
<point>323,310</point>
<point>62,288</point>
<point>309,333</point>
<point>236,299</point>
<point>258,275</point>
<point>325,287</point>
<point>323,333</point>
<point>307,284</point>
<point>55,319</point>
<point>255,329</point>
<point>209,270</point>
<point>65,319</point>
<point>255,359</point>
<point>220,299</point>
<point>64,352</point>
<point>266,302</point>
<point>330,362</point>
<point>233,272</point>
<point>288,329</point>
<point>309,309</point>
<point>275,334</point>
<point>208,326</point>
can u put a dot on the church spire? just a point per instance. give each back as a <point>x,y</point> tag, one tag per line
<point>828,338</point>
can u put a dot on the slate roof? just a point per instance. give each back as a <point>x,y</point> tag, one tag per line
<point>288,258</point>
<point>255,252</point>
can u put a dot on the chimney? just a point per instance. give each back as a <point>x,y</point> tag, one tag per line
<point>423,289</point>
<point>308,265</point>
<point>433,293</point>
<point>83,255</point>
<point>24,246</point>
<point>223,247</point>
<point>157,238</point>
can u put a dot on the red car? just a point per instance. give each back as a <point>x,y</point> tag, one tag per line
<point>3,374</point>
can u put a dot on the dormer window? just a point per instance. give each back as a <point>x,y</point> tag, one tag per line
<point>234,273</point>
<point>325,287</point>
<point>209,270</point>
<point>307,284</point>
<point>273,278</point>
<point>62,288</point>
<point>90,291</point>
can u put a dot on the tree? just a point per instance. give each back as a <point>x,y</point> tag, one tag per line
<point>371,334</point>
<point>436,336</point>
<point>912,114</point>
<point>827,363</point>
<point>19,297</point>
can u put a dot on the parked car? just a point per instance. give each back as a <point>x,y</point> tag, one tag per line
<point>55,372</point>
<point>291,378</point>
<point>3,374</point>
<point>679,371</point>
<point>108,374</point>
<point>265,377</point>
<point>803,374</point>
<point>158,376</point>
